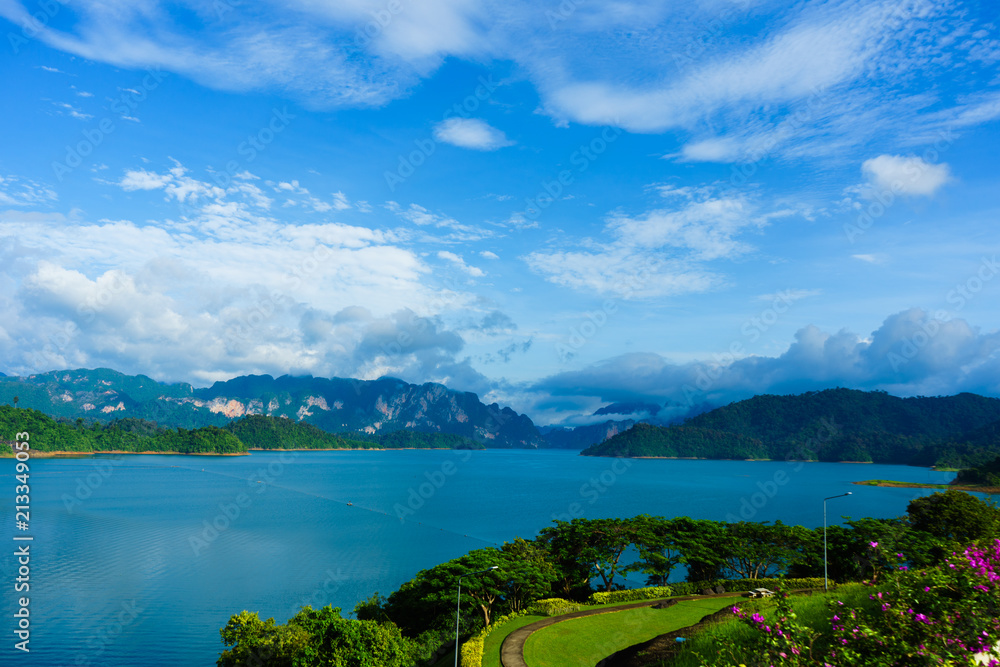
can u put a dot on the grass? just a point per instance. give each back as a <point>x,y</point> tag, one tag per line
<point>813,611</point>
<point>588,640</point>
<point>491,647</point>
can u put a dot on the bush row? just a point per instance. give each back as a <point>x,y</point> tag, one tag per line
<point>740,585</point>
<point>472,650</point>
<point>631,595</point>
<point>554,607</point>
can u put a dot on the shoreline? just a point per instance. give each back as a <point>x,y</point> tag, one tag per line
<point>705,458</point>
<point>38,454</point>
<point>891,484</point>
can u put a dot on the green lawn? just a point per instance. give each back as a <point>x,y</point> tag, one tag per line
<point>588,640</point>
<point>491,647</point>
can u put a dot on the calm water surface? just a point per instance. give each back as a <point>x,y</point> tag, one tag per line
<point>139,560</point>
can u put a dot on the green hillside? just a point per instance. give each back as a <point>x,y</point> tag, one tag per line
<point>49,435</point>
<point>263,432</point>
<point>831,425</point>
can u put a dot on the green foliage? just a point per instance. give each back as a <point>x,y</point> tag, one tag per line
<point>585,548</point>
<point>743,585</point>
<point>264,432</point>
<point>554,607</point>
<point>831,425</point>
<point>988,474</point>
<point>471,652</point>
<point>954,515</point>
<point>252,641</point>
<point>312,638</point>
<point>127,435</point>
<point>407,439</point>
<point>942,615</point>
<point>630,595</point>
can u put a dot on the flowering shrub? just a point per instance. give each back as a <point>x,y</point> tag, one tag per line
<point>942,615</point>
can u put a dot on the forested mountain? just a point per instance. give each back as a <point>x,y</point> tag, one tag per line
<point>334,405</point>
<point>265,432</point>
<point>129,435</point>
<point>831,425</point>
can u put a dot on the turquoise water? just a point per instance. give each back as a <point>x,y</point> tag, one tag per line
<point>139,560</point>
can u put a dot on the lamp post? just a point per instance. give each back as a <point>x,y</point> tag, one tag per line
<point>826,585</point>
<point>458,604</point>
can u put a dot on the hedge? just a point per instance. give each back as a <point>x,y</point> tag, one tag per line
<point>554,607</point>
<point>631,595</point>
<point>471,652</point>
<point>739,585</point>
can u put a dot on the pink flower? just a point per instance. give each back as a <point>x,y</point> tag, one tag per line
<point>873,544</point>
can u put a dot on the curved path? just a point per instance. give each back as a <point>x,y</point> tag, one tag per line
<point>512,649</point>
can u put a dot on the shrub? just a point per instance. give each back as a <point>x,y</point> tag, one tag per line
<point>554,607</point>
<point>740,585</point>
<point>949,614</point>
<point>471,652</point>
<point>631,595</point>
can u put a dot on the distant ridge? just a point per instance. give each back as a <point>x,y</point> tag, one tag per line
<point>830,425</point>
<point>334,405</point>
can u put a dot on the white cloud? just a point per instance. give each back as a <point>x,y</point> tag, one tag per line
<point>789,295</point>
<point>665,251</point>
<point>140,179</point>
<point>908,175</point>
<point>489,254</point>
<point>16,191</point>
<point>340,201</point>
<point>643,66</point>
<point>225,290</point>
<point>470,133</point>
<point>911,353</point>
<point>870,259</point>
<point>460,263</point>
<point>420,216</point>
<point>73,111</point>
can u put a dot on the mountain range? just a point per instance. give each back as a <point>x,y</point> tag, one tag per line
<point>829,425</point>
<point>335,405</point>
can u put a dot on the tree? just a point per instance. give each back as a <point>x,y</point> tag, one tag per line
<point>427,602</point>
<point>955,516</point>
<point>252,641</point>
<point>752,550</point>
<point>312,638</point>
<point>584,548</point>
<point>347,643</point>
<point>658,549</point>
<point>701,543</point>
<point>527,573</point>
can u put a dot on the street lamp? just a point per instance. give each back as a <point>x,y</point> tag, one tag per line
<point>826,585</point>
<point>458,605</point>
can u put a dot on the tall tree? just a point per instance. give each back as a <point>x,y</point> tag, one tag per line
<point>954,515</point>
<point>658,548</point>
<point>584,548</point>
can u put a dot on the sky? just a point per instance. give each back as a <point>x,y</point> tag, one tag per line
<point>555,205</point>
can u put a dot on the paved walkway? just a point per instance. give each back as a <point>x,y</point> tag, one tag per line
<point>512,649</point>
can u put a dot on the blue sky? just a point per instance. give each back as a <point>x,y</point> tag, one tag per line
<point>554,205</point>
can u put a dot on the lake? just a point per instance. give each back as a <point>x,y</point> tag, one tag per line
<point>139,560</point>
